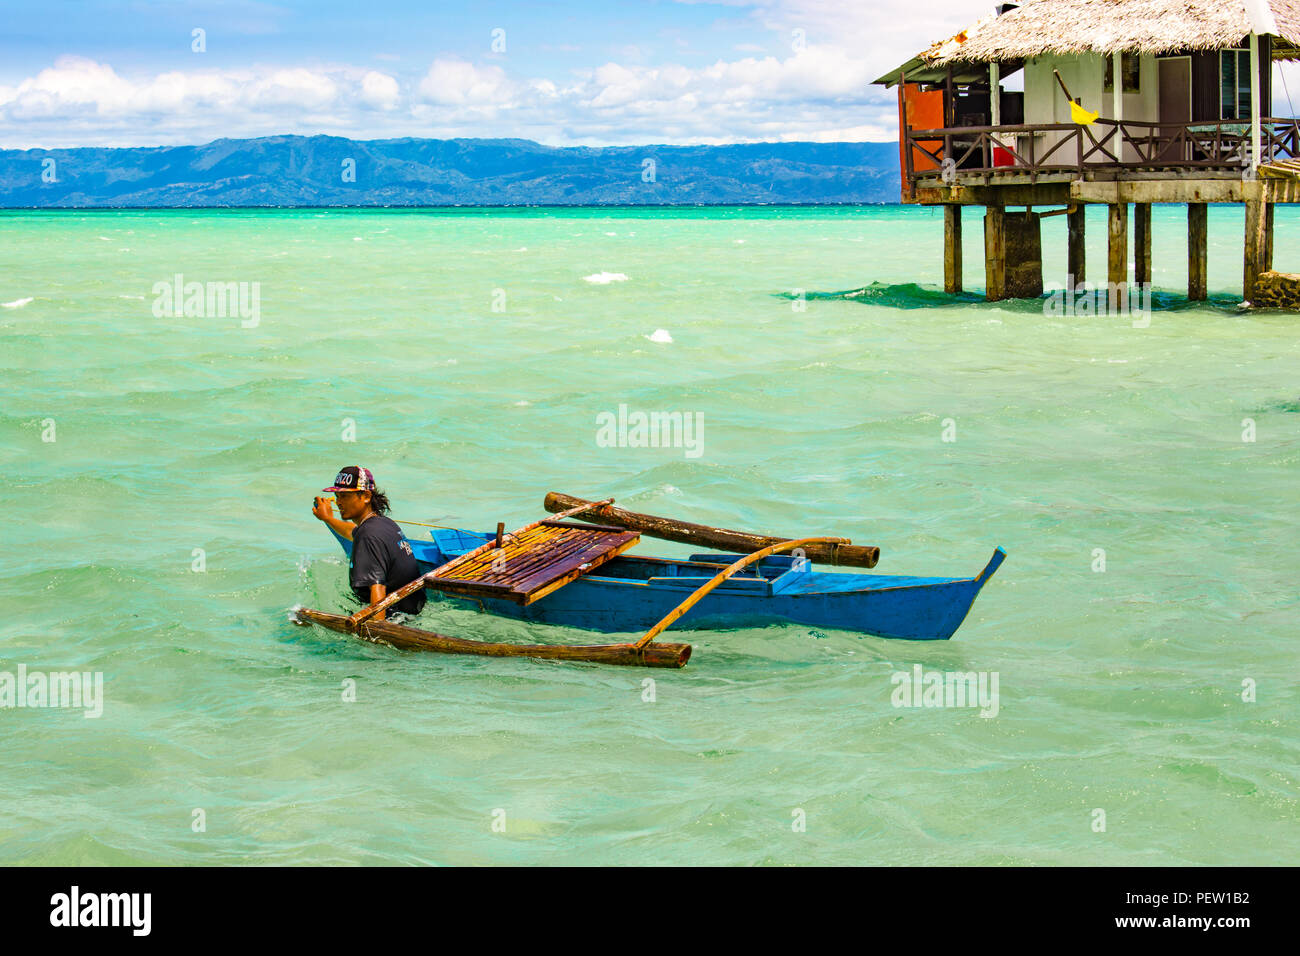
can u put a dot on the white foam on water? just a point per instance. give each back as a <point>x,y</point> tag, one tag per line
<point>604,278</point>
<point>660,335</point>
<point>16,303</point>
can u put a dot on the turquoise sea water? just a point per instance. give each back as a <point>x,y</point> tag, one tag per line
<point>1120,690</point>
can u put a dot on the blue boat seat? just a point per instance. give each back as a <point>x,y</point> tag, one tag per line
<point>773,562</point>
<point>760,586</point>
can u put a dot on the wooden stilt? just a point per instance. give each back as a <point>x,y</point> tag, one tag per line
<point>1142,243</point>
<point>1077,259</point>
<point>1254,247</point>
<point>1117,256</point>
<point>1197,231</point>
<point>1022,244</point>
<point>1268,236</point>
<point>952,248</point>
<point>995,254</point>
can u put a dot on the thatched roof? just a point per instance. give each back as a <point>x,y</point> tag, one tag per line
<point>1072,27</point>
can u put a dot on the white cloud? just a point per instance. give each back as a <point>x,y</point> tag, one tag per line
<point>459,83</point>
<point>296,88</point>
<point>819,93</point>
<point>380,91</point>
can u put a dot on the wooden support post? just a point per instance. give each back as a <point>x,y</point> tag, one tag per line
<point>1076,258</point>
<point>995,93</point>
<point>1117,256</point>
<point>1268,237</point>
<point>1023,251</point>
<point>1197,231</point>
<point>1255,125</point>
<point>1142,243</point>
<point>995,254</point>
<point>952,248</point>
<point>1117,100</point>
<point>1255,245</point>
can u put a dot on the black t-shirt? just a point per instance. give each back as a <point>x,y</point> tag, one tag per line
<point>380,555</point>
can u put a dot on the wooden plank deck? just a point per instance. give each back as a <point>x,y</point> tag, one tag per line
<point>534,562</point>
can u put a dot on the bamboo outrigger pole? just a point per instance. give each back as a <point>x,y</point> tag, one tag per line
<point>413,639</point>
<point>721,576</point>
<point>668,529</point>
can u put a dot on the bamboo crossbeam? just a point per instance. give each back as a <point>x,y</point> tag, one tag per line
<point>683,532</point>
<point>413,639</point>
<point>721,576</point>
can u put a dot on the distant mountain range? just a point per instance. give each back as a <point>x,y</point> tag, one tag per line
<point>333,171</point>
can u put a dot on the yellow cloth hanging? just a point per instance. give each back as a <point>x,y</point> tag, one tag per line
<point>1081,116</point>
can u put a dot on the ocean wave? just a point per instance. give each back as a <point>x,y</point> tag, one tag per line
<point>913,295</point>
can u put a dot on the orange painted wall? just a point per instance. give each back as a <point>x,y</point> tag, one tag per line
<point>918,109</point>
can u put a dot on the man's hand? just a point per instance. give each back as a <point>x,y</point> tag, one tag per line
<point>323,508</point>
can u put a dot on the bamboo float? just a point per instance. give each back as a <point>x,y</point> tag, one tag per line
<point>668,529</point>
<point>413,639</point>
<point>721,576</point>
<point>356,620</point>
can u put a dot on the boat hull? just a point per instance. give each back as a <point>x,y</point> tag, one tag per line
<point>632,594</point>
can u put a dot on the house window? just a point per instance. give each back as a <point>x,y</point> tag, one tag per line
<point>1131,67</point>
<point>1234,84</point>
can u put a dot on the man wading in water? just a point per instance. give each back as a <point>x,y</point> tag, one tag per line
<point>381,558</point>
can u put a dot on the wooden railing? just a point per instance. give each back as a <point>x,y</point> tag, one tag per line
<point>1103,145</point>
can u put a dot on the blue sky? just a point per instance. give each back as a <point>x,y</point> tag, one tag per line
<point>572,72</point>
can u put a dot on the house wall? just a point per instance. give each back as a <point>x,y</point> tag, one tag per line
<point>1086,77</point>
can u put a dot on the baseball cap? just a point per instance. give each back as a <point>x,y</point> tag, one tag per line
<point>353,478</point>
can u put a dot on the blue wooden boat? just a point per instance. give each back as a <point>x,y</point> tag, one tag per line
<point>631,593</point>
